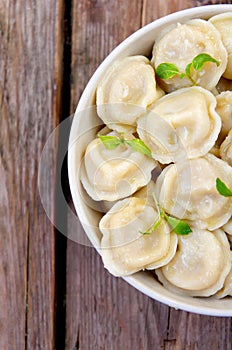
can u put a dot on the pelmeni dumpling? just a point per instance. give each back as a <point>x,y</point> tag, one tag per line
<point>224,109</point>
<point>227,287</point>
<point>187,190</point>
<point>200,265</point>
<point>223,23</point>
<point>111,174</point>
<point>127,89</point>
<point>124,249</point>
<point>182,124</point>
<point>226,149</point>
<point>181,44</point>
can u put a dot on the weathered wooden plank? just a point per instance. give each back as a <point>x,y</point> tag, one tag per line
<point>156,9</point>
<point>29,99</point>
<point>199,332</point>
<point>104,312</point>
<point>98,27</point>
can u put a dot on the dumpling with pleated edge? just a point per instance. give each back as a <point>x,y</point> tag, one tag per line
<point>187,190</point>
<point>181,45</point>
<point>112,174</point>
<point>200,266</point>
<point>126,90</point>
<point>183,124</point>
<point>125,248</point>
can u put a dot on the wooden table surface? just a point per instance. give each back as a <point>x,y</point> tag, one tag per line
<point>55,293</point>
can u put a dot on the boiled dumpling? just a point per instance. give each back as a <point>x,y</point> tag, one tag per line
<point>187,190</point>
<point>124,249</point>
<point>181,44</point>
<point>111,174</point>
<point>226,149</point>
<point>200,266</point>
<point>223,23</point>
<point>182,124</point>
<point>224,109</point>
<point>127,89</point>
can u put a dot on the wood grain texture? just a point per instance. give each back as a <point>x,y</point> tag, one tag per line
<point>156,9</point>
<point>98,27</point>
<point>104,312</point>
<point>29,99</point>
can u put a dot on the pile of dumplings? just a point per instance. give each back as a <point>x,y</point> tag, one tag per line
<point>188,129</point>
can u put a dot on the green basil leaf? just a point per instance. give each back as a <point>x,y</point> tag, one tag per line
<point>188,68</point>
<point>202,58</point>
<point>222,188</point>
<point>145,233</point>
<point>182,75</point>
<point>110,142</point>
<point>167,70</point>
<point>139,146</point>
<point>180,227</point>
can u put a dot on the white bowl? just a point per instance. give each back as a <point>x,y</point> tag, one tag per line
<point>83,131</point>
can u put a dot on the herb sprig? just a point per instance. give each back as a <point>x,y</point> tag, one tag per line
<point>178,226</point>
<point>111,142</point>
<point>169,70</point>
<point>222,188</point>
